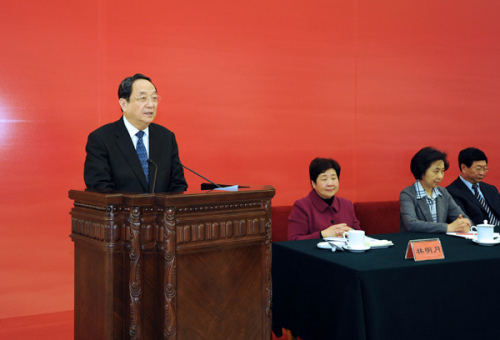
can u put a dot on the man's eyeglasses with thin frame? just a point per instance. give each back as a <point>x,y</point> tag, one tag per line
<point>154,98</point>
<point>481,169</point>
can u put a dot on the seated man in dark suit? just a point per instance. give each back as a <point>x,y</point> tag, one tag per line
<point>133,154</point>
<point>479,200</point>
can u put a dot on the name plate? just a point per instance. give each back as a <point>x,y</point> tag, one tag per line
<point>427,249</point>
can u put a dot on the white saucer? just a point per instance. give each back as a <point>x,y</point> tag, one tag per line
<point>357,250</point>
<point>324,245</point>
<point>487,243</point>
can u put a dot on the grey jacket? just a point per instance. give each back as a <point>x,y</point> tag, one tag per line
<point>415,215</point>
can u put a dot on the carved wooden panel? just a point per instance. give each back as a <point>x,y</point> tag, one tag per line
<point>166,264</point>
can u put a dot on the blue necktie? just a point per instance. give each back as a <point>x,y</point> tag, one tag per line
<point>493,219</point>
<point>143,154</point>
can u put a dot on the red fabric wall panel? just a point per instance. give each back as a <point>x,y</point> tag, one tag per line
<point>253,90</point>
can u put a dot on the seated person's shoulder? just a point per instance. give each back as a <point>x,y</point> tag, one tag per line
<point>408,190</point>
<point>453,185</point>
<point>344,201</point>
<point>489,186</point>
<point>302,202</point>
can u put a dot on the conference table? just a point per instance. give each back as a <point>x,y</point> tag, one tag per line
<point>378,294</point>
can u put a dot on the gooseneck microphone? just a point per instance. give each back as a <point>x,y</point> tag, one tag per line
<point>156,173</point>
<point>197,174</point>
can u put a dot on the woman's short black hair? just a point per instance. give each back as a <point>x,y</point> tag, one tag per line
<point>320,165</point>
<point>125,88</point>
<point>423,160</point>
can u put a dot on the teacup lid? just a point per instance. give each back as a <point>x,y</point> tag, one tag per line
<point>485,224</point>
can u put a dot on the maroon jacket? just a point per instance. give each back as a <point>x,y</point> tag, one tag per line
<point>311,214</point>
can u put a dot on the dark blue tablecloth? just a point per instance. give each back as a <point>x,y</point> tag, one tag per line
<point>319,294</point>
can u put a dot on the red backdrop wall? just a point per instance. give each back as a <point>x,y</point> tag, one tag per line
<point>253,90</point>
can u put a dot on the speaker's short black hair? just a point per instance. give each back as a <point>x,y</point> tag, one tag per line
<point>125,88</point>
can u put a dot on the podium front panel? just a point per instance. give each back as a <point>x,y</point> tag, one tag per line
<point>173,266</point>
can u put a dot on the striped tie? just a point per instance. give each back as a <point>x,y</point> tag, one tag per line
<point>493,219</point>
<point>143,154</point>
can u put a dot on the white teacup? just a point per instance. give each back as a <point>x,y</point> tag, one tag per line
<point>484,232</point>
<point>355,238</point>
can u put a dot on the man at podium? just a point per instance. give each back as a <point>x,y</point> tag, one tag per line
<point>134,154</point>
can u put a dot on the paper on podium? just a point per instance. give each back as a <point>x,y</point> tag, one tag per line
<point>229,188</point>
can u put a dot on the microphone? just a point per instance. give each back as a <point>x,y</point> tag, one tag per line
<point>197,174</point>
<point>156,173</point>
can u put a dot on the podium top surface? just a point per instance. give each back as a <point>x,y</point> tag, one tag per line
<point>111,197</point>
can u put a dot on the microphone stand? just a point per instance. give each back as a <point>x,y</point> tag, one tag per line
<point>197,174</point>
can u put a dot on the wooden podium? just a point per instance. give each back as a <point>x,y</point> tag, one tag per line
<point>187,266</point>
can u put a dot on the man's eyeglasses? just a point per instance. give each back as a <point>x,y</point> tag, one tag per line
<point>481,169</point>
<point>154,98</point>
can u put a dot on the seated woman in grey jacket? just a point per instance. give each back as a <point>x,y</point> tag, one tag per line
<point>425,206</point>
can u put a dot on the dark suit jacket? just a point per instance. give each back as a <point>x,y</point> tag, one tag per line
<point>112,162</point>
<point>415,215</point>
<point>469,203</point>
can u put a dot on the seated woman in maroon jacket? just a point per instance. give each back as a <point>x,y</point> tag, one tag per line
<point>322,213</point>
